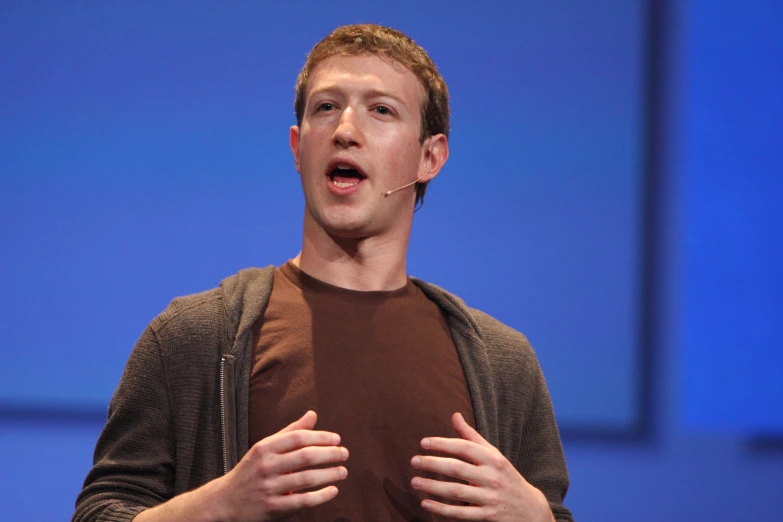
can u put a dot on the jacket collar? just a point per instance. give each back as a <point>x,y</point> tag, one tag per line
<point>472,352</point>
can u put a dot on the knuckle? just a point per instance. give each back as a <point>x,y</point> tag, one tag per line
<point>263,467</point>
<point>299,438</point>
<point>272,505</point>
<point>257,451</point>
<point>495,484</point>
<point>304,480</point>
<point>266,489</point>
<point>309,457</point>
<point>498,460</point>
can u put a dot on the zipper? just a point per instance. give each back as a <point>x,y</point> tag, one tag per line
<point>223,426</point>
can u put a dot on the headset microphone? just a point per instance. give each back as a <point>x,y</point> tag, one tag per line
<point>386,194</point>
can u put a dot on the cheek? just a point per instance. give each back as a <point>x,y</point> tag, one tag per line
<point>309,154</point>
<point>413,157</point>
<point>402,156</point>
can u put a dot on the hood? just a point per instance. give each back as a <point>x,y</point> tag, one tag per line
<point>245,296</point>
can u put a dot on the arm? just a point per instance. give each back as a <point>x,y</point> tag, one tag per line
<point>133,461</point>
<point>540,459</point>
<point>261,487</point>
<point>133,473</point>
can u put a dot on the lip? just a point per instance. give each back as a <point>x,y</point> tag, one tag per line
<point>343,191</point>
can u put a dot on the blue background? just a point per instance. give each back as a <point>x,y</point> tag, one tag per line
<point>613,192</point>
<point>147,158</point>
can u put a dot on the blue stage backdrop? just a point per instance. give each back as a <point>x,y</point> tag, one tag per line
<point>144,155</point>
<point>732,220</point>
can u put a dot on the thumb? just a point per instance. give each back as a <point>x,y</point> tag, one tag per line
<point>465,431</point>
<point>305,422</point>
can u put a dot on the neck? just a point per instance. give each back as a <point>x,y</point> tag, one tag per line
<point>366,264</point>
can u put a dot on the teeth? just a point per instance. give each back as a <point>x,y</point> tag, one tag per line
<point>343,185</point>
<point>342,166</point>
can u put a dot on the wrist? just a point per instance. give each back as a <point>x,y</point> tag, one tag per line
<point>199,505</point>
<point>211,499</point>
<point>545,510</point>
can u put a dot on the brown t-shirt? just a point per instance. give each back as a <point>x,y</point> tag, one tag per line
<point>379,368</point>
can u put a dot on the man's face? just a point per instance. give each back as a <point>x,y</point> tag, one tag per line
<point>359,138</point>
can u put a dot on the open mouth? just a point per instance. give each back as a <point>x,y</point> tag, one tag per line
<point>345,176</point>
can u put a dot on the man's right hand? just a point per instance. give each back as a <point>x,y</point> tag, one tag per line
<point>265,485</point>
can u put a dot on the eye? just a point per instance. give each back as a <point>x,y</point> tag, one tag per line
<point>324,107</point>
<point>383,110</point>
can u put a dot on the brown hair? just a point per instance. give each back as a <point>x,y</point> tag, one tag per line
<point>352,40</point>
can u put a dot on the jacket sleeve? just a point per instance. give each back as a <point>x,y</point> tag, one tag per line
<point>541,460</point>
<point>527,430</point>
<point>133,462</point>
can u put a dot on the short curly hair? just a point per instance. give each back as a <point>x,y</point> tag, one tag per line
<point>353,40</point>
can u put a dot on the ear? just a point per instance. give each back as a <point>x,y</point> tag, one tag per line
<point>293,140</point>
<point>435,152</point>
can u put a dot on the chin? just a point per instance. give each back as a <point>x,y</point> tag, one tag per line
<point>348,230</point>
<point>345,224</point>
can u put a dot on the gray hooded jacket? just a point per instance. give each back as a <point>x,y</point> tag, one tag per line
<point>179,416</point>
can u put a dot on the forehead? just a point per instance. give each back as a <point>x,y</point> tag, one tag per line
<point>366,72</point>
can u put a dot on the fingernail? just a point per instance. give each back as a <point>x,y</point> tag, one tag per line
<point>416,482</point>
<point>335,438</point>
<point>416,461</point>
<point>343,472</point>
<point>333,491</point>
<point>345,453</point>
<point>425,443</point>
<point>425,504</point>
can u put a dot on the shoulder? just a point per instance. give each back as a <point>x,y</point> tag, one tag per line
<point>216,312</point>
<point>511,355</point>
<point>189,316</point>
<point>496,332</point>
<point>506,347</point>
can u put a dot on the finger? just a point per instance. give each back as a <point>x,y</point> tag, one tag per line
<point>305,422</point>
<point>465,449</point>
<point>306,457</point>
<point>450,490</point>
<point>287,503</point>
<point>466,431</point>
<point>293,440</point>
<point>310,478</point>
<point>454,468</point>
<point>457,512</point>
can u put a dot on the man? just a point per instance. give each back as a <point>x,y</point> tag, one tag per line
<point>443,410</point>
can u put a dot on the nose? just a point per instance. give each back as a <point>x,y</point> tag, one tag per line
<point>346,134</point>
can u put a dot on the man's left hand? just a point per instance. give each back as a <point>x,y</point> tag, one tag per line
<point>494,491</point>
